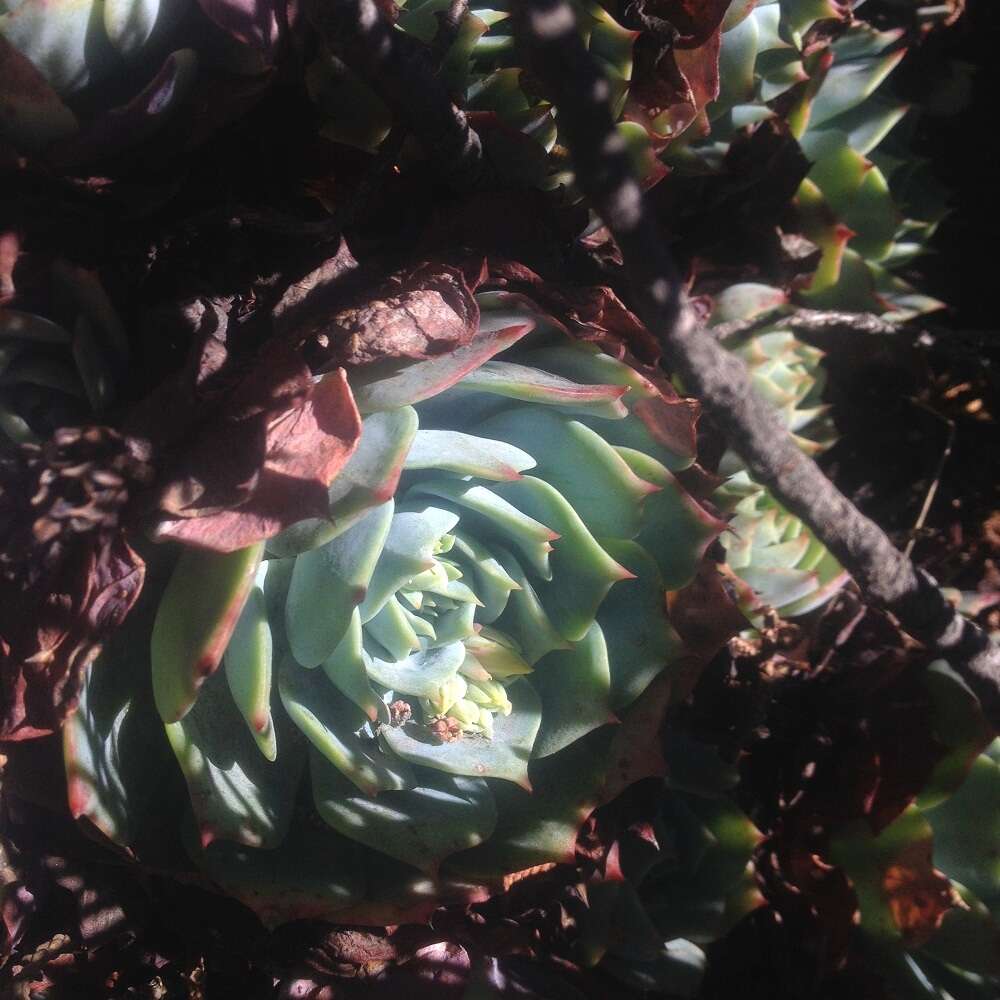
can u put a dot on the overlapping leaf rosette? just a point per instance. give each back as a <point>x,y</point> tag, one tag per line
<point>82,80</point>
<point>774,559</point>
<point>867,202</point>
<point>928,883</point>
<point>661,61</point>
<point>430,687</point>
<point>62,349</point>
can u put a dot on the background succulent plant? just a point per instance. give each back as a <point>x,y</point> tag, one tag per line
<point>928,883</point>
<point>774,559</point>
<point>867,205</point>
<point>58,369</point>
<point>446,655</point>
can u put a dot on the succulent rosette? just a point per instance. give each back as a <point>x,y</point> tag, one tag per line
<point>928,883</point>
<point>430,688</point>
<point>60,369</point>
<point>774,559</point>
<point>866,203</point>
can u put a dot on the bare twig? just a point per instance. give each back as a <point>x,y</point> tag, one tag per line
<point>808,321</point>
<point>402,72</point>
<point>936,481</point>
<point>572,78</point>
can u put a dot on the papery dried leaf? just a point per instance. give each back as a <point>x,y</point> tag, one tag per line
<point>593,313</point>
<point>676,64</point>
<point>421,311</point>
<point>300,310</point>
<point>694,20</point>
<point>918,894</point>
<point>304,447</point>
<point>705,614</point>
<point>52,629</point>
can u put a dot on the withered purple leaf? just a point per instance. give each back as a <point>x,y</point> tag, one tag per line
<point>67,576</point>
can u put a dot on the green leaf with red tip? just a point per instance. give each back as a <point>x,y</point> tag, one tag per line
<point>580,464</point>
<point>492,583</point>
<point>633,617</point>
<point>746,300</point>
<point>347,669</point>
<point>467,455</point>
<point>116,756</point>
<point>582,572</point>
<point>490,509</point>
<point>524,616</point>
<point>857,192</point>
<point>848,83</point>
<point>247,661</point>
<point>440,815</point>
<point>330,582</point>
<point>236,793</point>
<point>533,385</point>
<point>368,479</point>
<point>409,550</point>
<point>707,868</point>
<point>967,830</point>
<point>335,727</point>
<point>195,619</point>
<point>505,755</point>
<point>541,826</point>
<point>387,385</point>
<point>676,529</point>
<point>575,687</point>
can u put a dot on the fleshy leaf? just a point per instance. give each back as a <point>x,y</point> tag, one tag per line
<point>421,674</point>
<point>576,460</point>
<point>848,83</point>
<point>328,583</point>
<point>334,727</point>
<point>542,825</point>
<point>386,385</point>
<point>236,793</point>
<point>313,873</point>
<point>422,825</point>
<point>347,669</point>
<point>575,687</point>
<point>247,661</point>
<point>524,617</point>
<point>641,641</point>
<point>514,381</point>
<point>489,507</point>
<point>505,755</point>
<point>467,455</point>
<point>493,584</point>
<point>409,550</point>
<point>369,478</point>
<point>676,528</point>
<point>582,572</point>
<point>195,620</point>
